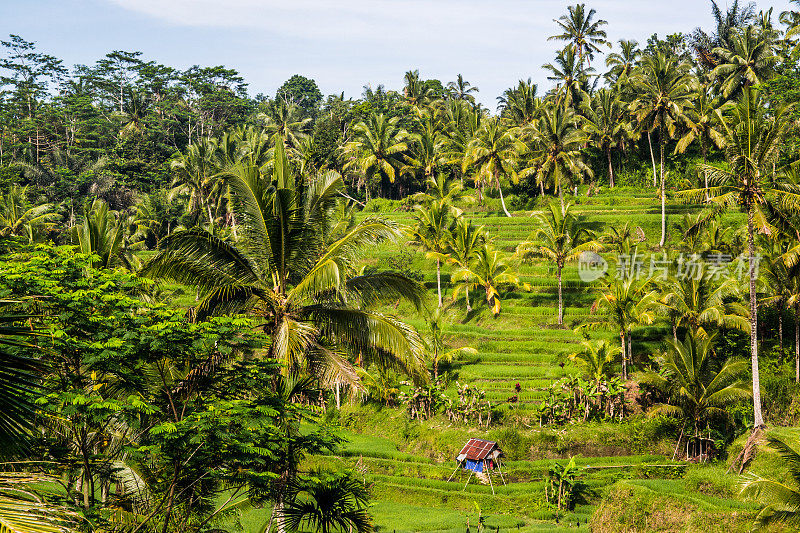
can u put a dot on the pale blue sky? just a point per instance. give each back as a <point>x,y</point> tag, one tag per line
<point>342,44</point>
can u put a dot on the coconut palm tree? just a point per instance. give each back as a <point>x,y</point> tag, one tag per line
<point>489,270</point>
<point>750,60</point>
<point>570,76</point>
<point>604,121</point>
<point>698,386</point>
<point>286,271</point>
<point>284,120</point>
<point>700,303</point>
<point>580,29</point>
<point>782,499</point>
<point>626,301</point>
<point>462,249</point>
<point>376,149</point>
<point>754,140</point>
<point>462,90</point>
<point>333,504</point>
<point>437,347</point>
<point>417,92</point>
<point>494,152</point>
<point>431,232</point>
<point>105,233</point>
<point>194,173</point>
<point>554,144</point>
<point>620,65</point>
<point>520,104</point>
<point>665,90</point>
<point>595,359</point>
<point>18,217</point>
<point>703,124</point>
<point>559,238</point>
<point>424,155</point>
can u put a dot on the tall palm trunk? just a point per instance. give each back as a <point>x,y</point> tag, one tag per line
<point>758,419</point>
<point>439,280</point>
<point>652,158</point>
<point>797,343</point>
<point>624,355</point>
<point>560,299</point>
<point>663,190</point>
<point>466,296</point>
<point>500,190</point>
<point>561,197</point>
<point>610,168</point>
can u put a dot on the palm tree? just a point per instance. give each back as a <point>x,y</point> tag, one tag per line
<point>560,238</point>
<point>437,347</point>
<point>431,232</point>
<point>17,217</point>
<point>289,270</point>
<point>754,139</point>
<point>782,499</point>
<point>698,303</point>
<point>417,92</point>
<point>620,65</point>
<point>626,301</point>
<point>520,104</point>
<point>665,90</point>
<point>582,31</point>
<point>494,152</point>
<point>376,148</point>
<point>424,155</point>
<point>571,77</point>
<point>461,89</point>
<point>284,120</point>
<point>104,233</point>
<point>462,249</point>
<point>750,60</point>
<point>334,504</point>
<point>194,173</point>
<point>703,123</point>
<point>604,121</point>
<point>596,359</point>
<point>698,386</point>
<point>555,143</point>
<point>489,270</point>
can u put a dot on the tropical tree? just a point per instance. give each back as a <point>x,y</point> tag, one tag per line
<point>596,358</point>
<point>605,123</point>
<point>782,499</point>
<point>580,29</point>
<point>627,301</point>
<point>489,270</point>
<point>750,60</point>
<point>570,76</point>
<point>431,232</point>
<point>328,504</point>
<point>701,303</point>
<point>462,249</point>
<point>418,93</point>
<point>520,104</point>
<point>437,347</point>
<point>665,91</point>
<point>289,270</point>
<point>105,233</point>
<point>698,386</point>
<point>702,121</point>
<point>559,238</point>
<point>194,173</point>
<point>18,217</point>
<point>754,140</point>
<point>494,152</point>
<point>462,90</point>
<point>424,155</point>
<point>620,65</point>
<point>554,145</point>
<point>376,149</point>
<point>285,121</point>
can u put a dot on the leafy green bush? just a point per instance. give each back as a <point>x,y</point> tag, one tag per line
<point>383,205</point>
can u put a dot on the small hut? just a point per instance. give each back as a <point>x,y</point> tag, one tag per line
<point>480,457</point>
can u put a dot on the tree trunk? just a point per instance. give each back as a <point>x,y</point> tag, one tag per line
<point>610,168</point>
<point>652,158</point>
<point>624,355</point>
<point>466,297</point>
<point>758,419</point>
<point>502,200</point>
<point>630,347</point>
<point>663,193</point>
<point>705,162</point>
<point>439,280</point>
<point>561,198</point>
<point>780,328</point>
<point>560,300</point>
<point>797,344</point>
